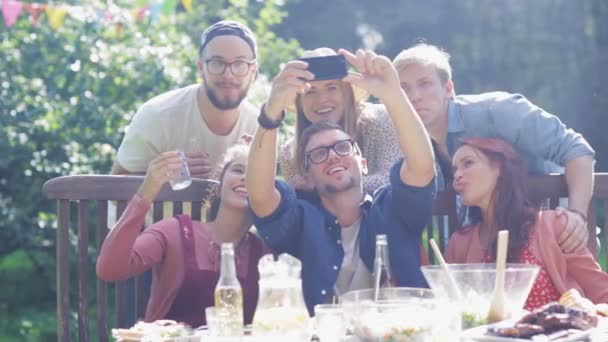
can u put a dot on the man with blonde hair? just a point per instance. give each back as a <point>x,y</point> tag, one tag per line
<point>541,138</point>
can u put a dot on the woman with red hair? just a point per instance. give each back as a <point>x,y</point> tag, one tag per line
<point>490,178</point>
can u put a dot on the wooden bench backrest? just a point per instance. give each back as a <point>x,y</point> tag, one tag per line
<point>76,196</point>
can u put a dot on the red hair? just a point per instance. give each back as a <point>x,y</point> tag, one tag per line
<point>510,206</point>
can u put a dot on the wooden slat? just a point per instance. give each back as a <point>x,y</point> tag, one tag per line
<point>83,263</point>
<point>102,288</point>
<point>553,202</point>
<point>601,184</point>
<point>157,214</point>
<point>121,286</point>
<point>178,208</point>
<point>117,188</point>
<point>196,210</point>
<point>140,301</point>
<point>63,271</point>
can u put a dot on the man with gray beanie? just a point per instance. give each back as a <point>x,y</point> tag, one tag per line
<point>204,119</point>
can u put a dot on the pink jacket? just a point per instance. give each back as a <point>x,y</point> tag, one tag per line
<point>577,270</point>
<point>127,252</point>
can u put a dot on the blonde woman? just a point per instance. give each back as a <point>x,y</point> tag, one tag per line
<point>342,103</point>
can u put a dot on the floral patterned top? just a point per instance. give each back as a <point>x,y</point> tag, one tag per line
<point>380,148</point>
<point>543,290</point>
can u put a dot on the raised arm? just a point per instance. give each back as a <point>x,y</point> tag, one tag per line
<point>125,252</point>
<point>379,77</point>
<point>264,198</point>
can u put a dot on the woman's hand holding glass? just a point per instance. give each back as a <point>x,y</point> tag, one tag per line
<point>161,170</point>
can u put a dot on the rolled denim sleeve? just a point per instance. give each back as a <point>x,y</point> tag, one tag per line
<point>535,131</point>
<point>281,229</point>
<point>411,205</point>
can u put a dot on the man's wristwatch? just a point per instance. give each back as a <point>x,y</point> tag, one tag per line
<point>265,122</point>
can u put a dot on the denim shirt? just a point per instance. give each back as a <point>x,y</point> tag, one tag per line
<point>311,234</point>
<point>542,140</point>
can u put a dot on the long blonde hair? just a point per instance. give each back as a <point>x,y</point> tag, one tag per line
<point>350,122</point>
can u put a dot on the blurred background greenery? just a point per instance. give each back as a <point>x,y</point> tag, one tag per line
<point>66,94</point>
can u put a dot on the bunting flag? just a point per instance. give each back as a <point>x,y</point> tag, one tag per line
<point>11,11</point>
<point>139,14</point>
<point>35,10</point>
<point>56,16</point>
<point>187,5</point>
<point>110,16</point>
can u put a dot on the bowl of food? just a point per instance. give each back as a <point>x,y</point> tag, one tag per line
<point>397,314</point>
<point>471,287</point>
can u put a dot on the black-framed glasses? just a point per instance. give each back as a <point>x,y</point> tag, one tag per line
<point>320,154</point>
<point>239,67</point>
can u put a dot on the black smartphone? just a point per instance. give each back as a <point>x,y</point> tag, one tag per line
<point>327,67</point>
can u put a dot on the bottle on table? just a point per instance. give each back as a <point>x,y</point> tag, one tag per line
<point>229,296</point>
<point>382,277</point>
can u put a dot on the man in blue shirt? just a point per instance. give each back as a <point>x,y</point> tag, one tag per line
<point>335,237</point>
<point>542,140</point>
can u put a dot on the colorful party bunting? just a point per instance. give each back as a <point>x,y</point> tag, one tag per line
<point>35,10</point>
<point>11,11</point>
<point>110,16</point>
<point>56,16</point>
<point>187,5</point>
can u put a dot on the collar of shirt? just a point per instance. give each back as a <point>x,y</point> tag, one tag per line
<point>455,120</point>
<point>365,204</point>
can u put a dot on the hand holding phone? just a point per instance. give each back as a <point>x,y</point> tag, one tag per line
<point>327,67</point>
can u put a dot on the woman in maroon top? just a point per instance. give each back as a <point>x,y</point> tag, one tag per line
<point>184,255</point>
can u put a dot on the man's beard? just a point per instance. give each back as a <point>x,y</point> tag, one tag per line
<point>226,103</point>
<point>332,189</point>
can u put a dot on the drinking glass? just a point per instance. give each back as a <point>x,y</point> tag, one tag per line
<point>212,321</point>
<point>181,179</point>
<point>329,322</point>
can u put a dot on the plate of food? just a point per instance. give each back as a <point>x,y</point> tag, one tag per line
<point>479,334</point>
<point>158,331</point>
<point>552,322</point>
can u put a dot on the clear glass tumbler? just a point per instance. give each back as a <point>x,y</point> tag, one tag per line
<point>181,179</point>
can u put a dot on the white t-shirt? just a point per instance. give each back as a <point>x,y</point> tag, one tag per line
<point>353,274</point>
<point>172,121</point>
